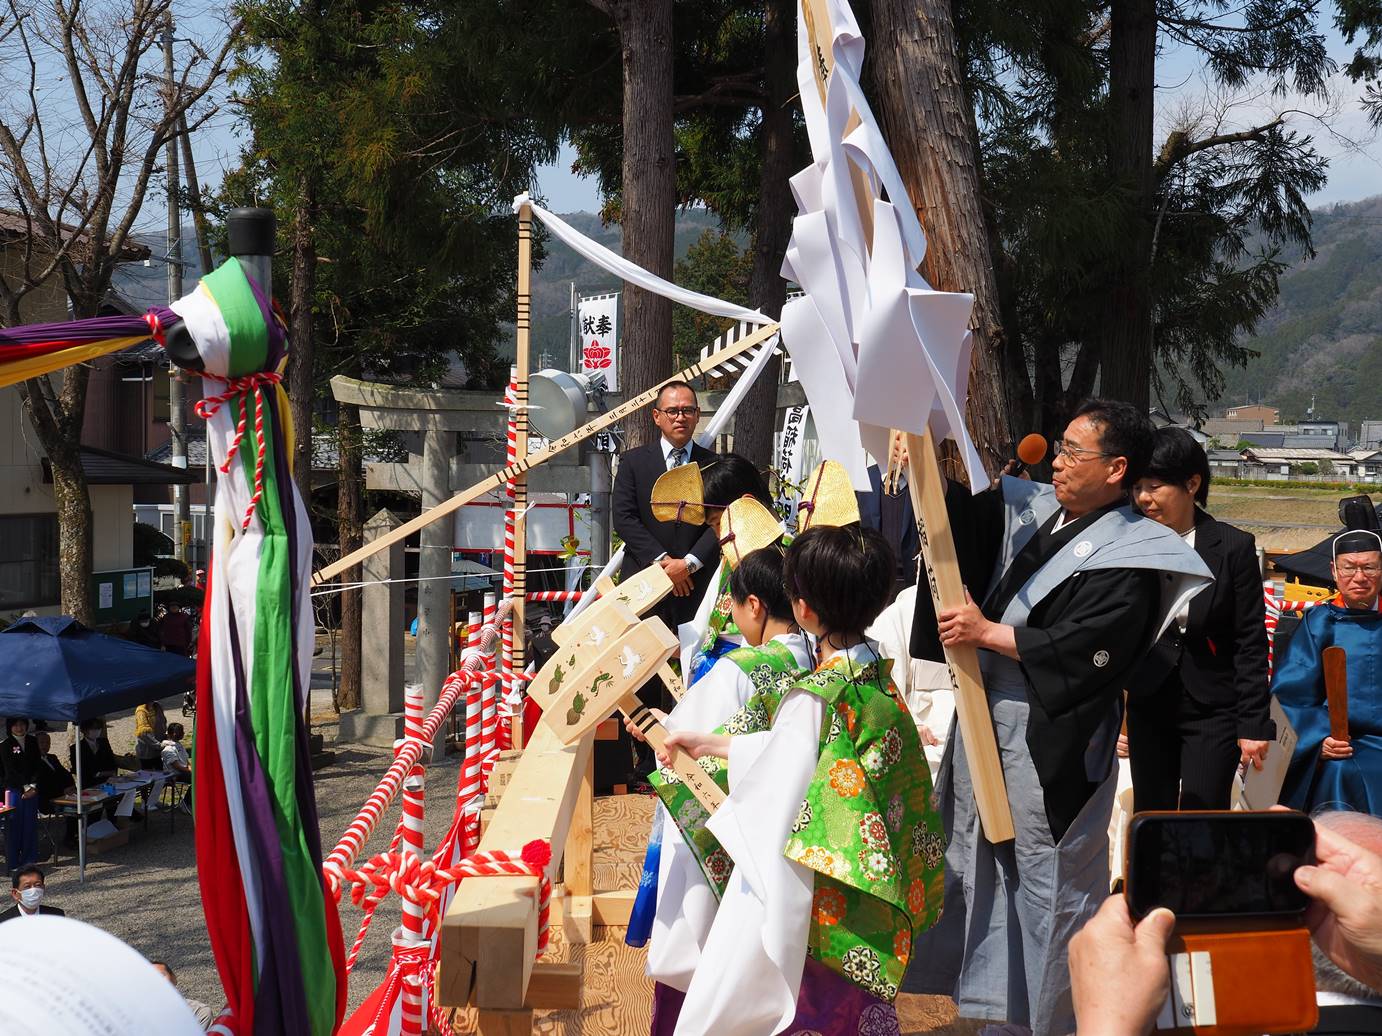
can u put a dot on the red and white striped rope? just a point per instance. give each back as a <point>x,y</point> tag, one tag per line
<point>424,882</point>
<point>241,388</point>
<point>553,596</point>
<point>510,516</point>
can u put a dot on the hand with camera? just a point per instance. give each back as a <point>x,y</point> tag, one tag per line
<point>1119,976</point>
<point>1346,913</point>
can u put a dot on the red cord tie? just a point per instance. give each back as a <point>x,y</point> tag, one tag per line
<point>239,388</point>
<point>155,327</point>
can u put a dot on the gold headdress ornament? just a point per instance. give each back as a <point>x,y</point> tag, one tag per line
<point>679,495</point>
<point>747,526</point>
<point>828,498</point>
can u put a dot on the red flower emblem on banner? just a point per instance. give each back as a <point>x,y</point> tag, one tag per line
<point>597,356</point>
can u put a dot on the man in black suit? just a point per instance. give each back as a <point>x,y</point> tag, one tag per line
<point>890,512</point>
<point>27,893</point>
<point>687,553</point>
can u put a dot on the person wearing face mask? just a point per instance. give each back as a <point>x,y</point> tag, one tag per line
<point>143,631</point>
<point>1198,706</point>
<point>98,763</point>
<point>20,756</point>
<point>27,890</point>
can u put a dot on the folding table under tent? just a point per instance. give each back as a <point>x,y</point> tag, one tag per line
<point>54,668</point>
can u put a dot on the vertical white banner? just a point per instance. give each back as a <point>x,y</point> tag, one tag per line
<point>597,317</point>
<point>791,443</point>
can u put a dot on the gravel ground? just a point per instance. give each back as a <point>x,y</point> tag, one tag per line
<point>146,892</point>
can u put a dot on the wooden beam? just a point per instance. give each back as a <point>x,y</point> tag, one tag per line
<point>491,926</point>
<point>942,569</point>
<point>555,987</point>
<point>523,464</point>
<point>613,909</point>
<point>504,1023</point>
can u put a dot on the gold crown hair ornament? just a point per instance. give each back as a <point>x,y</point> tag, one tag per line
<point>827,498</point>
<point>747,526</point>
<point>679,495</point>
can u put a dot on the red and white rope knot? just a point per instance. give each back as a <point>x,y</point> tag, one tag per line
<point>406,962</point>
<point>423,881</point>
<point>241,388</point>
<point>155,327</point>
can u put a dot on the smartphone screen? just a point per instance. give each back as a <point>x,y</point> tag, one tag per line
<point>1218,864</point>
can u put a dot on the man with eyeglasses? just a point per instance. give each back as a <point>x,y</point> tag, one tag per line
<point>687,553</point>
<point>1325,770</point>
<point>1070,589</point>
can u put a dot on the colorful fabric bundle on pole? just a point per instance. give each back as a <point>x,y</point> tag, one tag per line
<point>34,349</point>
<point>273,928</point>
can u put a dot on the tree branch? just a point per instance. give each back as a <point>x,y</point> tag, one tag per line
<point>1179,146</point>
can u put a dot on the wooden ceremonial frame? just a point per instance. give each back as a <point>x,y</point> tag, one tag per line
<point>489,934</point>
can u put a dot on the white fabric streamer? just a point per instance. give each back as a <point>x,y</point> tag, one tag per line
<point>612,262</point>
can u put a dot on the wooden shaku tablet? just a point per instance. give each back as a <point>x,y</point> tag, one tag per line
<point>1336,690</point>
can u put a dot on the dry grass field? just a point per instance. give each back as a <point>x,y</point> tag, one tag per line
<point>1283,519</point>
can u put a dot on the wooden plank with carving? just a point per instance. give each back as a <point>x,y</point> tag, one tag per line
<point>942,570</point>
<point>581,642</point>
<point>620,669</point>
<point>611,683</point>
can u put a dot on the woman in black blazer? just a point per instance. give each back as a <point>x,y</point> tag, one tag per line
<point>20,756</point>
<point>1200,706</point>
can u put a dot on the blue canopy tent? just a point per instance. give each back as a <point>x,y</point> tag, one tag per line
<point>54,668</point>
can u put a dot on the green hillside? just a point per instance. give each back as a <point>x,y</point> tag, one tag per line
<point>1325,335</point>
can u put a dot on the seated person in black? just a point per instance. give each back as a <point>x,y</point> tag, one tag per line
<point>54,781</point>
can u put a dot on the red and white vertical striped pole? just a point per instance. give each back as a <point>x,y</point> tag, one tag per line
<point>472,786</point>
<point>413,931</point>
<point>506,681</point>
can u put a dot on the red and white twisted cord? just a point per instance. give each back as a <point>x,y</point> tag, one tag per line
<point>240,388</point>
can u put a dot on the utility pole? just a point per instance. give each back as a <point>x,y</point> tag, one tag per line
<point>177,412</point>
<point>194,198</point>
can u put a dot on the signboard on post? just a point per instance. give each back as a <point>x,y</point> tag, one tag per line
<point>598,323</point>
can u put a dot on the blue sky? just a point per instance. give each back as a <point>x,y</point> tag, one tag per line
<point>1355,162</point>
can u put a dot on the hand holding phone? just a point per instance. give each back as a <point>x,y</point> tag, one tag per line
<point>1219,864</point>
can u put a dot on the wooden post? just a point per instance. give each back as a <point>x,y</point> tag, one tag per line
<point>942,570</point>
<point>519,650</point>
<point>578,860</point>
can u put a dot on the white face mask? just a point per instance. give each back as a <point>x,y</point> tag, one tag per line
<point>31,897</point>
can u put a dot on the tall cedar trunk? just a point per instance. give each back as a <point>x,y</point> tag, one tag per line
<point>649,201</point>
<point>756,419</point>
<point>929,123</point>
<point>351,533</point>
<point>1126,346</point>
<point>300,332</point>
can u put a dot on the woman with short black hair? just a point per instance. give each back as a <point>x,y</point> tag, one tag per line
<point>21,760</point>
<point>1199,705</point>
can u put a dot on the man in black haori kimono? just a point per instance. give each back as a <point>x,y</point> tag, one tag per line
<point>1071,587</point>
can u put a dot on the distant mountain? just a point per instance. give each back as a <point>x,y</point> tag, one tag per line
<point>1324,337</point>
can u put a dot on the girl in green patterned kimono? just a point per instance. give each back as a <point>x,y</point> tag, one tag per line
<point>836,847</point>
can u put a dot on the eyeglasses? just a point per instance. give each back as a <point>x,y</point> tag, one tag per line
<point>1075,454</point>
<point>1348,571</point>
<point>679,411</point>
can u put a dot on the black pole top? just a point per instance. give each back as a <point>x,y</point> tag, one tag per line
<point>251,231</point>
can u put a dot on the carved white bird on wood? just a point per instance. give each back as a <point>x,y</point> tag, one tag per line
<point>629,659</point>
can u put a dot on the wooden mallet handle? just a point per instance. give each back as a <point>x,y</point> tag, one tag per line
<point>1336,691</point>
<point>707,792</point>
